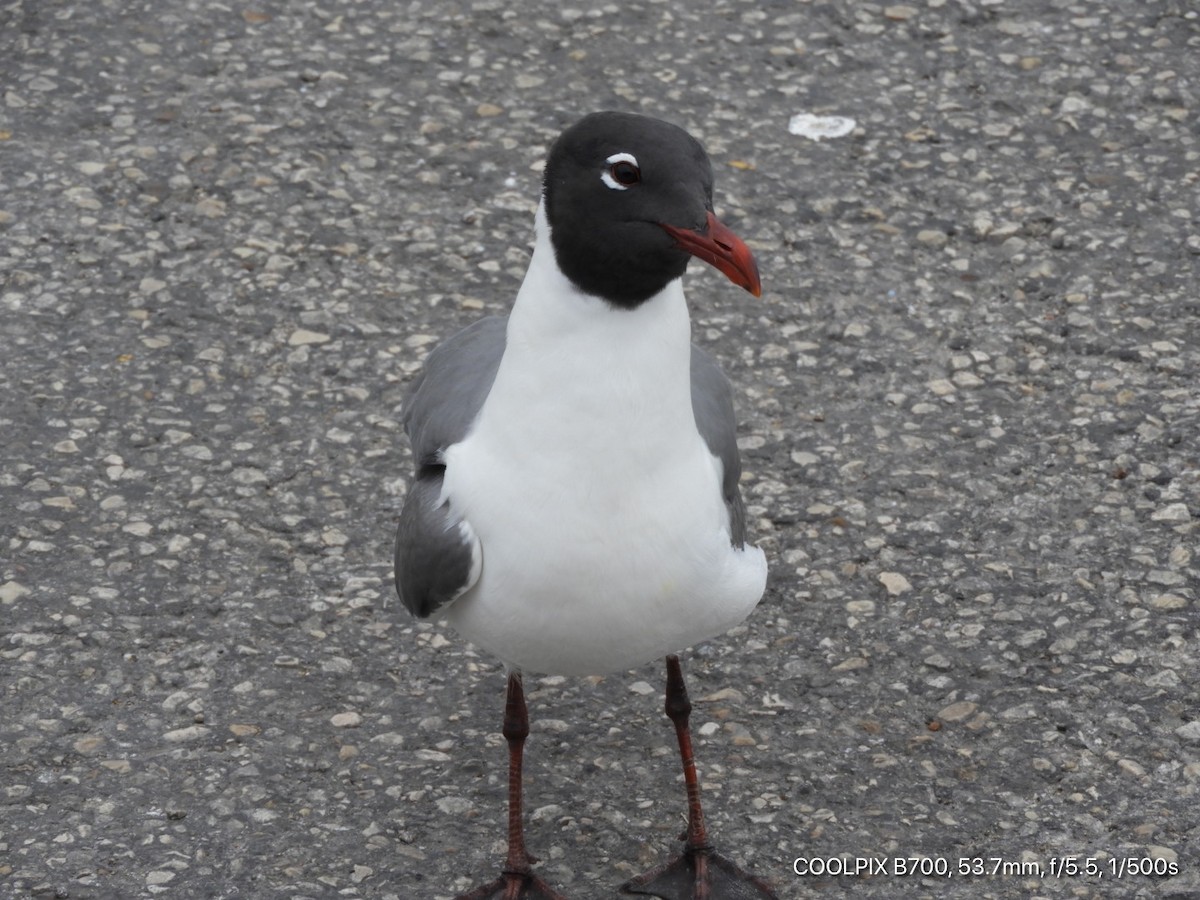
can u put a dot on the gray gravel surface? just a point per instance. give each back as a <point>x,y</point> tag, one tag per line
<point>970,404</point>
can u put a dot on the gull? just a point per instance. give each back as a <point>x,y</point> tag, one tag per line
<point>575,508</point>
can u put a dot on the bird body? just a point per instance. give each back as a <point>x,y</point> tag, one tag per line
<point>598,506</point>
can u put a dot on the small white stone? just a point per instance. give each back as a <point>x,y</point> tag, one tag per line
<point>1131,767</point>
<point>957,711</point>
<point>851,664</point>
<point>856,330</point>
<point>818,128</point>
<point>303,336</point>
<point>1166,854</point>
<point>895,583</point>
<point>210,208</point>
<point>1175,512</point>
<point>11,592</point>
<point>548,812</point>
<point>1168,601</point>
<point>1190,731</point>
<point>454,805</point>
<point>183,735</point>
<point>332,537</point>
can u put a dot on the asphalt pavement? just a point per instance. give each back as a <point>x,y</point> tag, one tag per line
<point>970,419</point>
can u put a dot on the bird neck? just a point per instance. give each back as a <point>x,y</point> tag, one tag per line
<point>563,344</point>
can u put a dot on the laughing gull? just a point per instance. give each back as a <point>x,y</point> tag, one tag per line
<point>576,508</point>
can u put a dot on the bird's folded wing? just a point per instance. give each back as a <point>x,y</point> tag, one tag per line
<point>445,400</point>
<point>438,556</point>
<point>712,405</point>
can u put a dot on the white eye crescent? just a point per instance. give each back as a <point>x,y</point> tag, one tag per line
<point>622,173</point>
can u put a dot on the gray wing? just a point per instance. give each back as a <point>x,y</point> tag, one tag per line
<point>438,556</point>
<point>712,405</point>
<point>448,394</point>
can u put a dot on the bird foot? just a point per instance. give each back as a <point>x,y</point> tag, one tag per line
<point>699,874</point>
<point>514,886</point>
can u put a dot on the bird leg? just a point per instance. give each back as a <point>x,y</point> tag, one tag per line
<point>699,873</point>
<point>679,711</point>
<point>516,881</point>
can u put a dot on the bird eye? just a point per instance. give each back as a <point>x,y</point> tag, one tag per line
<point>625,173</point>
<point>622,172</point>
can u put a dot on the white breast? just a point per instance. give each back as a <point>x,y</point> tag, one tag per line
<point>596,501</point>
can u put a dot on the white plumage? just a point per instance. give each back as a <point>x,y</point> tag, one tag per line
<point>596,503</point>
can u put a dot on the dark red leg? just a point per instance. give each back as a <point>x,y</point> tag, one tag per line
<point>517,881</point>
<point>699,873</point>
